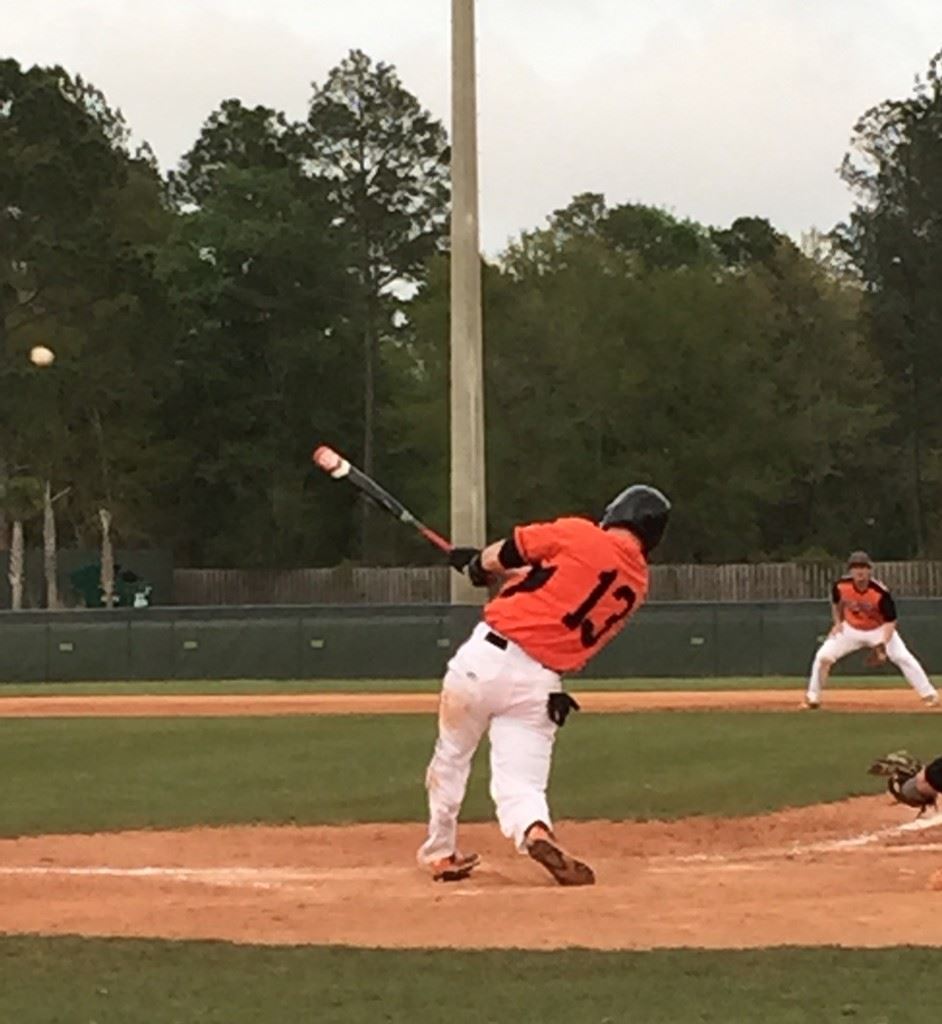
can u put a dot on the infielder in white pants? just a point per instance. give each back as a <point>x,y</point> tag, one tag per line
<point>584,581</point>
<point>864,615</point>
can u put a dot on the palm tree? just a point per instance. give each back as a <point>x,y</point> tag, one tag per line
<point>21,498</point>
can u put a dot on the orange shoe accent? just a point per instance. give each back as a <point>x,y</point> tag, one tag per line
<point>455,867</point>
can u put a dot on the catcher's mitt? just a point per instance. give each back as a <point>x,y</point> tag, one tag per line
<point>900,770</point>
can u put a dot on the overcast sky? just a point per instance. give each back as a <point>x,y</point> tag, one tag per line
<point>711,108</point>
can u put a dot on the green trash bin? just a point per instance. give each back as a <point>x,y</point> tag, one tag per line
<point>86,582</point>
<point>130,591</point>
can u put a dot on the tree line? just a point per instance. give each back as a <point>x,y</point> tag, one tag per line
<point>287,283</point>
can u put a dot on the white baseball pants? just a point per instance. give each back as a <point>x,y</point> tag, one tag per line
<point>503,693</point>
<point>850,639</point>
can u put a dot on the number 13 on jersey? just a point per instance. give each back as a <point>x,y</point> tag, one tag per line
<point>622,596</point>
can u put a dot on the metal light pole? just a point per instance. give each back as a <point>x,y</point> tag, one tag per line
<point>468,497</point>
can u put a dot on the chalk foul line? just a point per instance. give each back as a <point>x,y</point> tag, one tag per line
<point>848,843</point>
<point>285,877</point>
<point>262,878</point>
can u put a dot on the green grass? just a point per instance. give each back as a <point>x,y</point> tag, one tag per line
<point>118,982</point>
<point>252,686</point>
<point>84,775</point>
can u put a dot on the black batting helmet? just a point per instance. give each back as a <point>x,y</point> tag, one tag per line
<point>641,509</point>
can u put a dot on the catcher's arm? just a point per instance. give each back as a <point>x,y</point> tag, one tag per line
<point>930,778</point>
<point>906,779</point>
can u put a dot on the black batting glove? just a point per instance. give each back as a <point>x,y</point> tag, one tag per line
<point>468,561</point>
<point>558,706</point>
<point>477,574</point>
<point>460,558</point>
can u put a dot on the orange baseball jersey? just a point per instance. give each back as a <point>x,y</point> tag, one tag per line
<point>583,585</point>
<point>864,609</point>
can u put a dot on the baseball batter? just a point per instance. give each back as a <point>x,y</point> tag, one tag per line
<point>568,588</point>
<point>864,615</point>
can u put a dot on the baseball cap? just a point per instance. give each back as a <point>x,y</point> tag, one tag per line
<point>860,558</point>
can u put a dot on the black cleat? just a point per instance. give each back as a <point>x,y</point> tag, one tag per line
<point>454,868</point>
<point>561,865</point>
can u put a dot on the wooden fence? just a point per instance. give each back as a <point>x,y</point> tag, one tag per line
<point>343,585</point>
<point>774,581</point>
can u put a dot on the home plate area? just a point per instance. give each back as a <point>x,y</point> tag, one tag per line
<point>855,873</point>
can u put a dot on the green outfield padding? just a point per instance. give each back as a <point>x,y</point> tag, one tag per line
<point>152,648</point>
<point>663,641</point>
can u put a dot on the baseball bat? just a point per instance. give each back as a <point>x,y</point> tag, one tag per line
<point>336,466</point>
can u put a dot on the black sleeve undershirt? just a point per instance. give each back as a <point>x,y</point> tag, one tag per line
<point>509,555</point>
<point>888,607</point>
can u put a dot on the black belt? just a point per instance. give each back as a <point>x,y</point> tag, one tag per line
<point>496,639</point>
<point>502,643</point>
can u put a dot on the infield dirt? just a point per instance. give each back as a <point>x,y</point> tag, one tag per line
<point>846,874</point>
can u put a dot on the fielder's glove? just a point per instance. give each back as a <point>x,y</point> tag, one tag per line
<point>468,560</point>
<point>900,770</point>
<point>876,656</point>
<point>558,707</point>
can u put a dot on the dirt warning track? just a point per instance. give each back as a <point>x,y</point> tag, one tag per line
<point>271,705</point>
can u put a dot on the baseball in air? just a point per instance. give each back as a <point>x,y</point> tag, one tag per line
<point>39,355</point>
